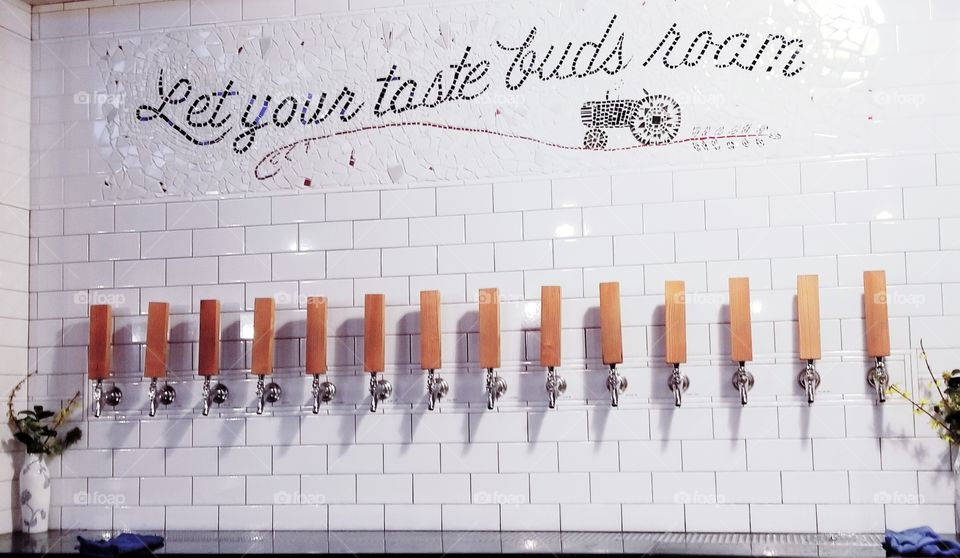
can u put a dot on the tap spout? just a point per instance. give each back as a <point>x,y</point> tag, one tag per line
<point>879,379</point>
<point>496,387</point>
<point>616,384</point>
<point>152,396</point>
<point>97,398</point>
<point>437,387</point>
<point>743,381</point>
<point>556,385</point>
<point>678,383</point>
<point>380,390</point>
<point>809,380</point>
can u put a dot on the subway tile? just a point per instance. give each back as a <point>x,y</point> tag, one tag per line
<point>352,206</point>
<point>217,242</point>
<point>380,234</point>
<point>612,220</point>
<point>385,489</point>
<point>834,176</point>
<point>521,196</point>
<point>849,454</point>
<point>409,261</point>
<point>356,517</point>
<point>702,184</point>
<point>531,254</point>
<point>589,456</point>
<point>63,249</point>
<point>714,455</point>
<point>739,213</point>
<point>820,487</point>
<point>905,236</point>
<point>263,9</point>
<point>780,518</point>
<point>408,517</point>
<point>192,215</point>
<point>195,271</point>
<point>437,230</point>
<point>768,180</point>
<point>469,458</point>
<point>867,518</point>
<point>471,517</point>
<point>582,192</point>
<point>902,171</point>
<point>115,246</point>
<point>215,11</point>
<point>673,217</point>
<point>270,238</point>
<point>748,487</point>
<point>643,249</point>
<point>870,205</point>
<point>329,489</point>
<point>803,209</point>
<point>297,209</point>
<point>413,202</point>
<point>706,245</point>
<point>931,202</point>
<point>114,19</point>
<point>494,227</point>
<point>836,239</point>
<point>582,252</point>
<point>554,223</point>
<point>559,488</point>
<point>531,517</point>
<point>170,13</point>
<point>441,489</point>
<point>464,200</point>
<point>772,243</point>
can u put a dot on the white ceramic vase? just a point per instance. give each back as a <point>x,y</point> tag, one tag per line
<point>35,494</point>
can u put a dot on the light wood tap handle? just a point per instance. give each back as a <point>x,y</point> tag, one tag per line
<point>741,336</point>
<point>430,330</point>
<point>550,327</point>
<point>100,347</point>
<point>675,310</point>
<point>264,325</point>
<point>877,323</point>
<point>611,332</point>
<point>158,335</point>
<point>209,357</point>
<point>373,332</point>
<point>808,316</point>
<point>489,328</point>
<point>316,335</point>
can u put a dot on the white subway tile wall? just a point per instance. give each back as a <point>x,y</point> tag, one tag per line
<point>19,252</point>
<point>777,465</point>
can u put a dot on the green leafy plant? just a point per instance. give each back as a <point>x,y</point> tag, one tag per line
<point>37,428</point>
<point>944,414</point>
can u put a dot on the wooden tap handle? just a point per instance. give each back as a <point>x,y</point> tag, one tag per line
<point>316,335</point>
<point>489,328</point>
<point>374,342</point>
<point>264,325</point>
<point>158,340</point>
<point>808,316</point>
<point>100,347</point>
<point>611,332</point>
<point>741,337</point>
<point>550,327</point>
<point>209,357</point>
<point>430,330</point>
<point>877,321</point>
<point>675,310</point>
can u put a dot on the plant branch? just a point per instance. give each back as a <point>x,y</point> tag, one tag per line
<point>923,355</point>
<point>922,409</point>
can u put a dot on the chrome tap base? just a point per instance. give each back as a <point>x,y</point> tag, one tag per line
<point>556,385</point>
<point>743,381</point>
<point>809,380</point>
<point>496,387</point>
<point>164,396</point>
<point>678,383</point>
<point>322,392</point>
<point>616,384</point>
<point>437,387</point>
<point>879,379</point>
<point>269,393</point>
<point>380,390</point>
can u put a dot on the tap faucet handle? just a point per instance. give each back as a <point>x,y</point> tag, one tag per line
<point>611,331</point>
<point>209,347</point>
<point>550,326</point>
<point>489,328</point>
<point>675,321</point>
<point>741,337</point>
<point>876,316</point>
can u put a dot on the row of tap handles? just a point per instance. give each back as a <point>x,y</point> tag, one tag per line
<point>741,346</point>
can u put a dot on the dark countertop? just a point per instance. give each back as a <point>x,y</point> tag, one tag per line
<point>239,543</point>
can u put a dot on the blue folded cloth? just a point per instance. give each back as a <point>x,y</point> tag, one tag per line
<point>919,541</point>
<point>125,544</point>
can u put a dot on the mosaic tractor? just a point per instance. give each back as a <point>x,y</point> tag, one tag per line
<point>653,120</point>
